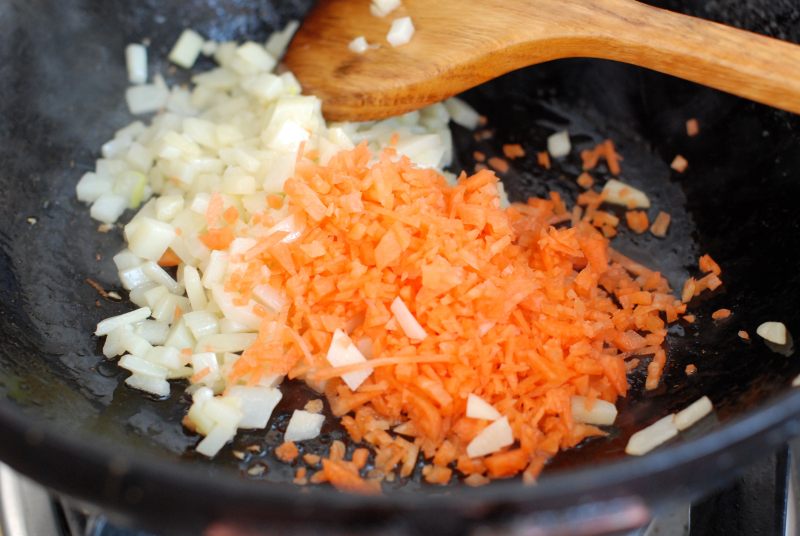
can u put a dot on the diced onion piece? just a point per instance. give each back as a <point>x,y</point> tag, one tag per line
<point>693,413</point>
<point>242,314</point>
<point>796,381</point>
<point>133,278</point>
<point>401,31</point>
<point>104,327</point>
<point>491,439</point>
<point>126,259</point>
<point>169,358</point>
<point>619,193</point>
<point>108,207</point>
<point>258,403</point>
<point>142,367</point>
<point>558,144</point>
<point>158,275</point>
<point>651,437</point>
<point>149,384</point>
<point>114,344</point>
<point>358,45</point>
<point>194,288</point>
<point>149,238</point>
<point>381,8</point>
<point>201,323</point>
<point>216,439</point>
<point>278,41</point>
<point>602,413</point>
<point>168,206</point>
<point>462,113</point>
<point>136,61</point>
<point>92,186</point>
<point>256,56</point>
<point>478,408</point>
<point>303,426</point>
<point>215,269</point>
<point>773,332</point>
<point>411,327</point>
<point>146,98</point>
<point>186,49</point>
<point>226,342</point>
<point>343,352</point>
<point>179,336</point>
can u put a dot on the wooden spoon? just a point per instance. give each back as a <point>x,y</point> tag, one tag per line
<point>459,44</point>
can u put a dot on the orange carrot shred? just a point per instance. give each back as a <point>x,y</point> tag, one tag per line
<point>543,159</point>
<point>692,127</point>
<point>720,314</point>
<point>660,224</point>
<point>169,258</point>
<point>498,164</point>
<point>513,150</point>
<point>637,221</point>
<point>287,452</point>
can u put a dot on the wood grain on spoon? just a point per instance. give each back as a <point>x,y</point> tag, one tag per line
<point>459,44</point>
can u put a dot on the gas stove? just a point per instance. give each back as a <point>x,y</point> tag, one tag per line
<point>763,500</point>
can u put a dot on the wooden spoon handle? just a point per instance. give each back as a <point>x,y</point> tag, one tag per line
<point>749,65</point>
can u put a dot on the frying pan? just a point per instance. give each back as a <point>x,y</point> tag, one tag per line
<point>67,420</point>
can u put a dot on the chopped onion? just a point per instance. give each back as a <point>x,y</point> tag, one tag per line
<point>693,413</point>
<point>303,426</point>
<point>278,41</point>
<point>462,113</point>
<point>602,413</point>
<point>773,332</point>
<point>653,436</point>
<point>558,144</point>
<point>381,8</point>
<point>343,352</point>
<point>226,342</point>
<point>478,408</point>
<point>92,186</point>
<point>401,31</point>
<point>104,327</point>
<point>136,61</point>
<point>201,323</point>
<point>146,98</point>
<point>142,367</point>
<point>108,207</point>
<point>185,51</point>
<point>258,403</point>
<point>619,193</point>
<point>491,439</point>
<point>358,45</point>
<point>149,384</point>
<point>149,238</point>
<point>408,323</point>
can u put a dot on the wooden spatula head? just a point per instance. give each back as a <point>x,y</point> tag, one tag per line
<point>459,44</point>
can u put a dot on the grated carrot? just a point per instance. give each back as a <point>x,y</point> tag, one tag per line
<point>585,180</point>
<point>169,258</point>
<point>720,314</point>
<point>637,221</point>
<point>692,127</point>
<point>679,164</point>
<point>513,150</point>
<point>691,368</point>
<point>498,164</point>
<point>744,335</point>
<point>287,452</point>
<point>661,224</point>
<point>518,311</point>
<point>543,159</point>
<point>479,156</point>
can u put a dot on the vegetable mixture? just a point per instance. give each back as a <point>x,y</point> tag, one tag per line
<point>445,328</point>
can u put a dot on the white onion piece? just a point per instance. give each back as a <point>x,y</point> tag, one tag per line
<point>773,332</point>
<point>278,41</point>
<point>164,356</point>
<point>401,31</point>
<point>216,439</point>
<point>381,8</point>
<point>226,342</point>
<point>693,413</point>
<point>558,144</point>
<point>168,206</point>
<point>126,259</point>
<point>150,238</point>
<point>104,327</point>
<point>152,331</point>
<point>149,384</point>
<point>491,439</point>
<point>142,367</point>
<point>92,186</point>
<point>201,323</point>
<point>179,336</point>
<point>186,49</point>
<point>158,275</point>
<point>408,323</point>
<point>215,269</point>
<point>358,45</point>
<point>602,413</point>
<point>146,98</point>
<point>478,408</point>
<point>651,437</point>
<point>135,344</point>
<point>462,113</point>
<point>108,207</point>
<point>619,193</point>
<point>258,403</point>
<point>303,426</point>
<point>343,352</point>
<point>114,344</point>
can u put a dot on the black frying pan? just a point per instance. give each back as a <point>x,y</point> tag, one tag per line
<point>67,420</point>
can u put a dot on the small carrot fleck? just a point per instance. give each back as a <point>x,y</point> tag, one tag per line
<point>720,314</point>
<point>287,452</point>
<point>637,221</point>
<point>543,159</point>
<point>498,164</point>
<point>679,164</point>
<point>585,180</point>
<point>743,335</point>
<point>479,156</point>
<point>692,127</point>
<point>661,224</point>
<point>513,150</point>
<point>691,368</point>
